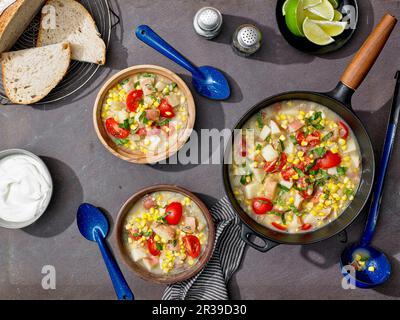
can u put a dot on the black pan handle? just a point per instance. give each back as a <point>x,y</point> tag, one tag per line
<point>247,233</point>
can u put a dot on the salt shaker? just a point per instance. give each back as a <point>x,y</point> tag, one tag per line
<point>208,22</point>
<point>246,40</point>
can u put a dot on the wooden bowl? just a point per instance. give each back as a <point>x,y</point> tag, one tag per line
<point>137,156</point>
<point>137,268</point>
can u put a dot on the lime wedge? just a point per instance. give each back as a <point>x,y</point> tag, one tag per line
<point>332,28</point>
<point>311,3</point>
<point>337,16</point>
<point>294,17</point>
<point>315,33</point>
<point>284,7</point>
<point>324,10</point>
<point>335,3</point>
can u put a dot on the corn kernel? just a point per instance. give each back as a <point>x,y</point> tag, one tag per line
<point>371,268</point>
<point>282,138</point>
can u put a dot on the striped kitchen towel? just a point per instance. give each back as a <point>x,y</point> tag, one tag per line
<point>211,282</point>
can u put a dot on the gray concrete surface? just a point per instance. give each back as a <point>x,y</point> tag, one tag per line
<point>62,134</point>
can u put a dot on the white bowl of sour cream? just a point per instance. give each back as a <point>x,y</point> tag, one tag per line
<point>26,188</point>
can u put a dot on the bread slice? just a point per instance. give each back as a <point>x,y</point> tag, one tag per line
<point>15,19</point>
<point>29,75</point>
<point>75,25</point>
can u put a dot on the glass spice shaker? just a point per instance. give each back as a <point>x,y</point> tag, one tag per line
<point>246,40</point>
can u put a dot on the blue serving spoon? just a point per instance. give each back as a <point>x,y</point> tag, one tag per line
<point>208,81</point>
<point>377,267</point>
<point>94,226</point>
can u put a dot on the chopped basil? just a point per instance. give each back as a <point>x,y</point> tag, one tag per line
<point>293,138</point>
<point>148,75</point>
<point>349,192</point>
<point>260,121</point>
<point>295,210</point>
<point>268,139</point>
<point>175,242</point>
<point>327,137</point>
<point>315,121</point>
<point>279,214</point>
<point>124,82</point>
<point>159,246</point>
<point>163,122</point>
<point>147,234</point>
<point>125,124</point>
<point>121,142</point>
<point>299,172</point>
<point>131,120</point>
<point>318,152</point>
<point>286,189</point>
<point>162,219</point>
<point>306,131</point>
<point>282,145</point>
<point>137,84</point>
<point>309,167</point>
<point>258,147</point>
<point>341,171</point>
<point>246,179</point>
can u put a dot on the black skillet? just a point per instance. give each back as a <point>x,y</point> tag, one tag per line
<point>338,100</point>
<point>348,8</point>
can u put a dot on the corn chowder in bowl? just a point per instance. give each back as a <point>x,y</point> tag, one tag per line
<point>166,233</point>
<point>296,166</point>
<point>144,114</point>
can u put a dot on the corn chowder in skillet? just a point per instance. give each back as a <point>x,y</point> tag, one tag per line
<point>166,232</point>
<point>145,113</point>
<point>296,166</point>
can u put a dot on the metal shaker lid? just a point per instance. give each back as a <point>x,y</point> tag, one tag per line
<point>248,36</point>
<point>207,21</point>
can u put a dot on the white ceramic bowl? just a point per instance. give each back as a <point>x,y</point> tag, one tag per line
<point>19,225</point>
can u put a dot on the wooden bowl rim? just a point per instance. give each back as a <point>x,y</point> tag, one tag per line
<point>119,152</point>
<point>140,271</point>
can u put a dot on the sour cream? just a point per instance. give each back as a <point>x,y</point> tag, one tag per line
<point>25,188</point>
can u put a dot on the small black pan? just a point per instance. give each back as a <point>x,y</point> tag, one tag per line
<point>339,101</point>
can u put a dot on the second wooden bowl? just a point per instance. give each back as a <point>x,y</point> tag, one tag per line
<point>145,274</point>
<point>137,156</point>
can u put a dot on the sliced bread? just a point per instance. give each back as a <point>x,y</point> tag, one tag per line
<point>15,19</point>
<point>29,75</point>
<point>75,25</point>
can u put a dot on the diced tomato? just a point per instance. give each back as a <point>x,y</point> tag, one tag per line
<point>152,246</point>
<point>173,213</point>
<point>192,245</point>
<point>330,160</point>
<point>166,109</point>
<point>308,193</point>
<point>344,130</point>
<point>288,173</point>
<point>279,226</point>
<point>142,132</point>
<point>313,139</point>
<point>276,165</point>
<point>115,130</point>
<point>262,205</point>
<point>306,227</point>
<point>133,100</point>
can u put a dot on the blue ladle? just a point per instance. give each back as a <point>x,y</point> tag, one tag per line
<point>94,226</point>
<point>208,81</point>
<point>377,267</point>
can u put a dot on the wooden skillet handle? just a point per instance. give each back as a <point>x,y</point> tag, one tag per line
<point>365,58</point>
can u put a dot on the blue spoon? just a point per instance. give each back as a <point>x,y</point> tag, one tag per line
<point>377,267</point>
<point>208,81</point>
<point>93,225</point>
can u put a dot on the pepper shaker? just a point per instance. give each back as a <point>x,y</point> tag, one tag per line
<point>208,22</point>
<point>246,40</point>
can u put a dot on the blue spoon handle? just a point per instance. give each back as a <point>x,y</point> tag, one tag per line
<point>152,39</point>
<point>120,286</point>
<point>387,152</point>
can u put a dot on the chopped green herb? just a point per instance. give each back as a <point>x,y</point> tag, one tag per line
<point>349,192</point>
<point>260,121</point>
<point>147,75</point>
<point>159,246</point>
<point>293,139</point>
<point>310,166</point>
<point>125,124</point>
<point>279,214</point>
<point>147,234</point>
<point>258,147</point>
<point>137,84</point>
<point>295,210</point>
<point>282,145</point>
<point>315,121</point>
<point>163,122</point>
<point>131,121</point>
<point>319,152</point>
<point>299,172</point>
<point>327,137</point>
<point>124,82</point>
<point>175,242</point>
<point>121,142</point>
<point>341,171</point>
<point>286,189</point>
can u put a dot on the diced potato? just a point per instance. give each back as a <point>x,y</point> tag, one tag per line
<point>118,105</point>
<point>160,86</point>
<point>252,190</point>
<point>259,174</point>
<point>269,153</point>
<point>274,127</point>
<point>150,262</point>
<point>122,116</point>
<point>147,85</point>
<point>289,148</point>
<point>332,171</point>
<point>138,254</point>
<point>270,187</point>
<point>265,132</point>
<point>355,158</point>
<point>286,184</point>
<point>173,99</point>
<point>351,146</point>
<point>298,199</point>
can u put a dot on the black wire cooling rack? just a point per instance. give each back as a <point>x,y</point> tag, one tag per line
<point>79,73</point>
